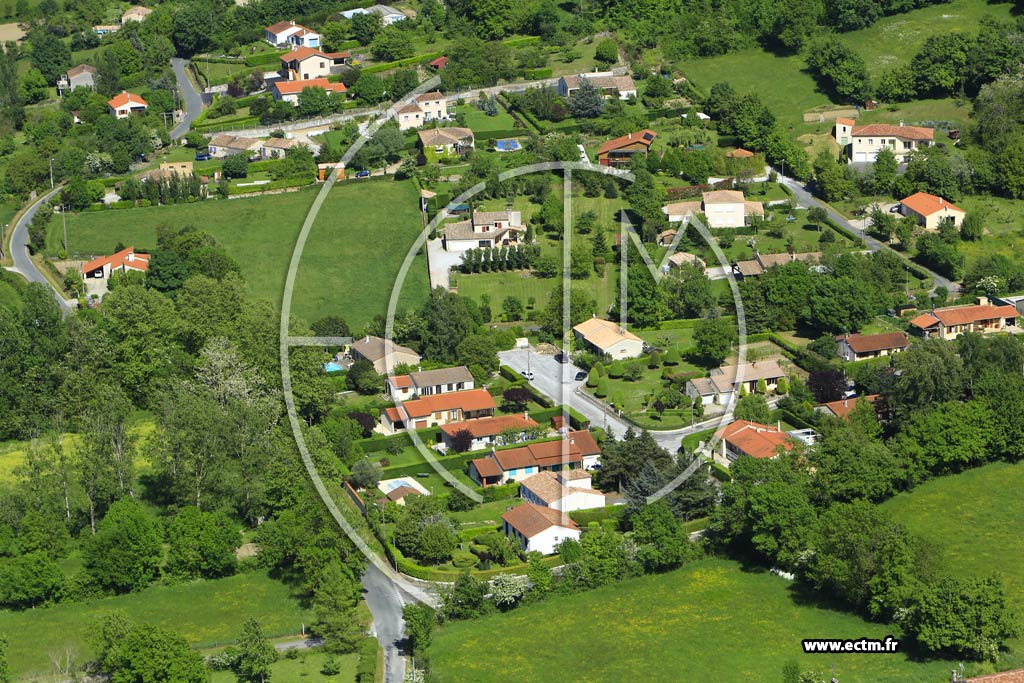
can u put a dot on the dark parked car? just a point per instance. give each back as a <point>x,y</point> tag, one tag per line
<point>363,174</point>
<point>562,358</point>
<point>581,375</point>
<point>895,208</point>
<point>203,156</point>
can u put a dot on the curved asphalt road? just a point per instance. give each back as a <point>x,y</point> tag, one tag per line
<point>804,196</point>
<point>192,99</point>
<point>23,263</point>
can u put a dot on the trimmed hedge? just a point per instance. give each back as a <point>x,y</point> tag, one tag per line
<point>585,517</point>
<point>510,374</point>
<point>264,58</point>
<point>500,134</point>
<point>374,68</point>
<point>272,185</point>
<point>376,444</point>
<point>366,668</point>
<point>538,74</point>
<point>698,524</point>
<point>720,472</point>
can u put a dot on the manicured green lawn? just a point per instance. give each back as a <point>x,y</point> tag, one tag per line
<point>207,613</point>
<point>259,232</point>
<point>782,83</point>
<point>479,122</point>
<point>975,520</point>
<point>355,251</point>
<point>349,265</point>
<point>303,668</point>
<point>710,621</point>
<point>1004,225</point>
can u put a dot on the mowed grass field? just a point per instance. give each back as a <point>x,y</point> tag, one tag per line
<point>349,263</point>
<point>207,613</point>
<point>976,520</point>
<point>352,259</point>
<point>258,232</point>
<point>789,90</point>
<point>710,621</point>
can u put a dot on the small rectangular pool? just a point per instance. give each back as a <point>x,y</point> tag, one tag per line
<point>332,366</point>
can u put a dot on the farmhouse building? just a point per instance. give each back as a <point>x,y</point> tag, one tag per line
<point>434,411</point>
<point>484,229</point>
<point>620,151</point>
<point>621,87</point>
<point>929,210</point>
<point>867,141</point>
<point>383,353</point>
<point>721,209</point>
<point>538,528</point>
<point>608,338</point>
<point>726,381</point>
<point>854,347</point>
<point>949,323</point>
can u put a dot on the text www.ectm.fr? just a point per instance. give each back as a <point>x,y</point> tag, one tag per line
<point>889,645</point>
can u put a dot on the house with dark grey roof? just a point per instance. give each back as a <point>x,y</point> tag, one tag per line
<point>483,230</point>
<point>430,382</point>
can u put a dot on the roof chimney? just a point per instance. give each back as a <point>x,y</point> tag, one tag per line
<point>526,415</point>
<point>901,123</point>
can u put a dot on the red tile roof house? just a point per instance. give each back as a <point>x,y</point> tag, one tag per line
<point>428,107</point>
<point>500,430</point>
<point>430,382</point>
<point>844,406</point>
<point>1014,676</point>
<point>123,261</point>
<point>618,152</point>
<point>434,411</point>
<point>854,347</point>
<point>439,63</point>
<point>124,105</point>
<point>869,140</point>
<point>751,439</point>
<point>949,323</point>
<point>289,91</point>
<point>538,528</point>
<point>305,63</point>
<point>929,210</point>
<point>576,451</point>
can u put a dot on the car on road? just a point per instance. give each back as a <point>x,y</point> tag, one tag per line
<point>363,174</point>
<point>203,156</point>
<point>529,375</point>
<point>581,375</point>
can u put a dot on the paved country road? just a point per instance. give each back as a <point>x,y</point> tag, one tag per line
<point>548,379</point>
<point>192,100</point>
<point>804,197</point>
<point>23,263</point>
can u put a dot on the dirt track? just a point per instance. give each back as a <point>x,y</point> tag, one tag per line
<point>10,32</point>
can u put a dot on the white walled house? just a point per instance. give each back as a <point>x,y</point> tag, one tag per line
<point>430,382</point>
<point>537,528</point>
<point>428,107</point>
<point>867,141</point>
<point>721,209</point>
<point>290,33</point>
<point>609,338</point>
<point>564,490</point>
<point>484,229</point>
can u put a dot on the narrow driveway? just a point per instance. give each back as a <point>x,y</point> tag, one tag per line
<point>191,99</point>
<point>441,262</point>
<point>23,263</point>
<point>803,195</point>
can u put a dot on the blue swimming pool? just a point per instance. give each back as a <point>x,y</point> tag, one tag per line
<point>333,367</point>
<point>507,145</point>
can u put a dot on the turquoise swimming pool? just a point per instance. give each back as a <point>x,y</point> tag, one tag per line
<point>333,367</point>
